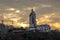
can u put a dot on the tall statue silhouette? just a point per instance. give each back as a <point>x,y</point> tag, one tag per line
<point>32,19</point>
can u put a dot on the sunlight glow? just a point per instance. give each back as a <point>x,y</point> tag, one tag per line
<point>11,9</point>
<point>46,16</point>
<point>57,25</point>
<point>4,17</point>
<point>44,5</point>
<point>23,25</point>
<point>17,11</point>
<point>14,20</point>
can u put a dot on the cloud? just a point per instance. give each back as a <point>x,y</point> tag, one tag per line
<point>46,10</point>
<point>45,5</point>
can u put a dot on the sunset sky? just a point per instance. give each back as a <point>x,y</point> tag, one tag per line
<point>47,11</point>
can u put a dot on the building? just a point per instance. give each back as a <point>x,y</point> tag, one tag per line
<point>3,30</point>
<point>32,21</point>
<point>34,27</point>
<point>44,28</point>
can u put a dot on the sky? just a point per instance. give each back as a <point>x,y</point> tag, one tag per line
<point>47,11</point>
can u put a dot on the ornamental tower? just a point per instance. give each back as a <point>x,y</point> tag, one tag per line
<point>32,19</point>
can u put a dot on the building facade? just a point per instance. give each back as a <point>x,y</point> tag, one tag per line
<point>44,28</point>
<point>34,27</point>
